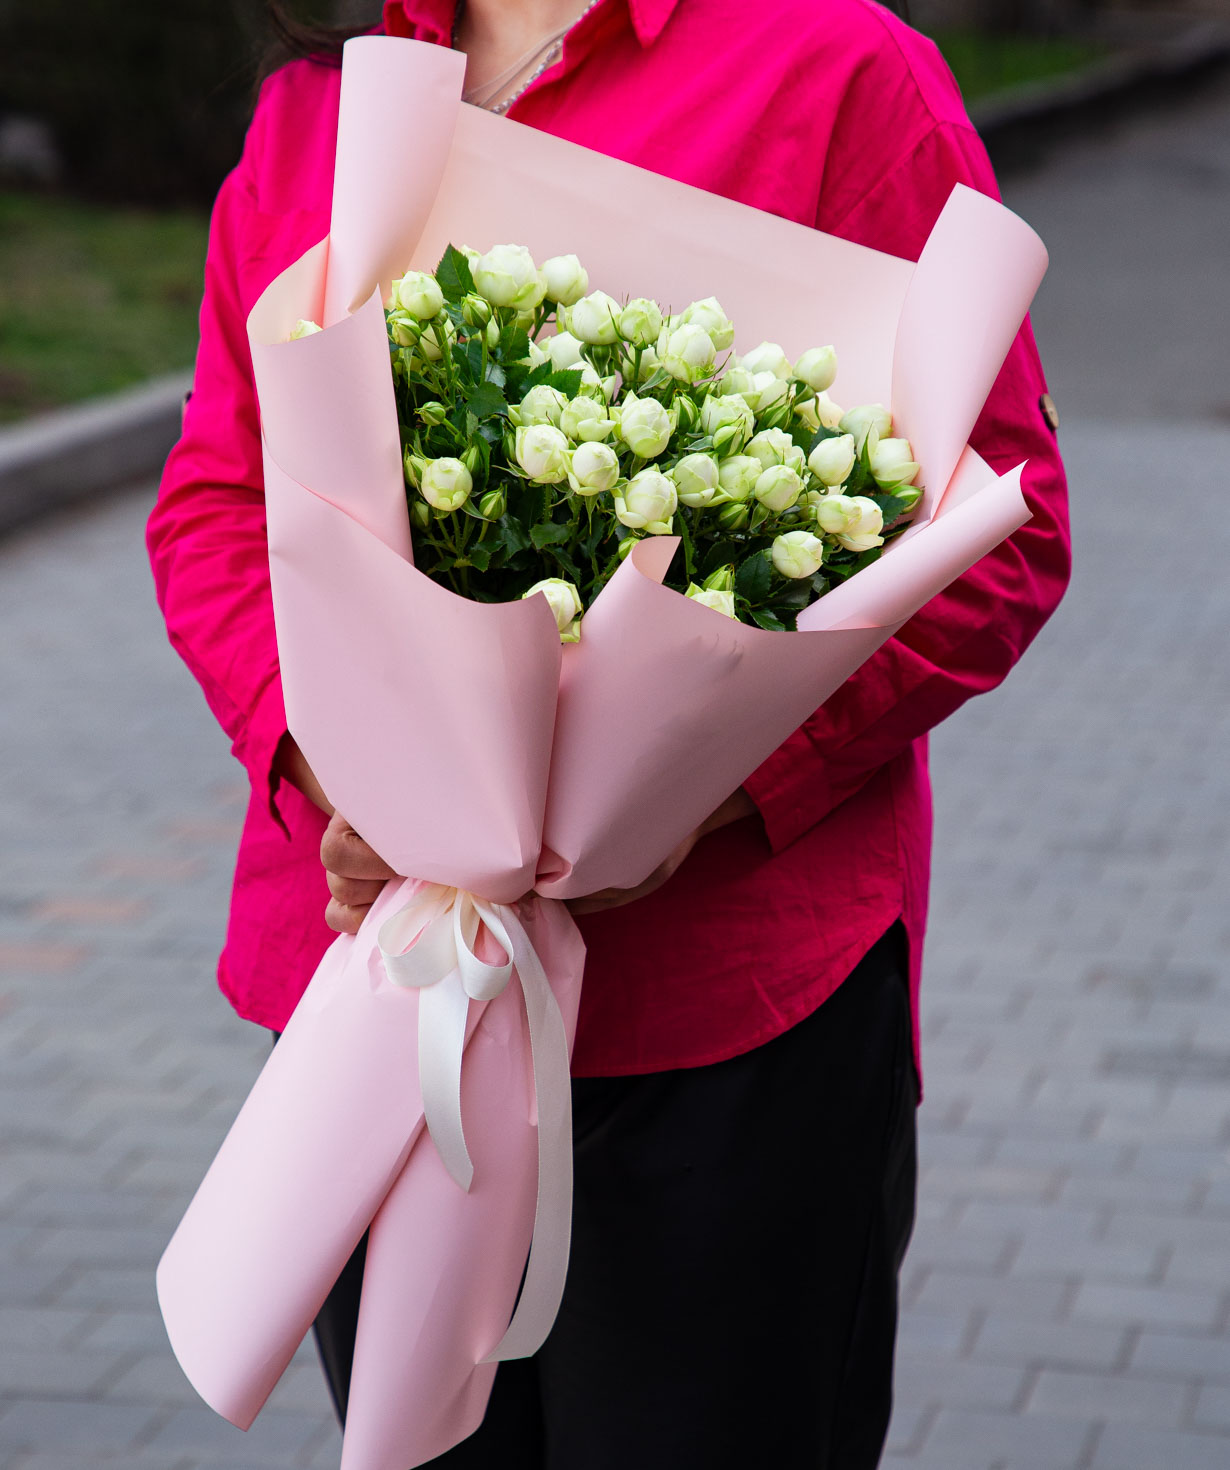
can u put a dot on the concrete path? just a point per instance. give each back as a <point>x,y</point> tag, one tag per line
<point>1067,1295</point>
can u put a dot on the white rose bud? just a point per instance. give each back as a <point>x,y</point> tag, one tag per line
<point>593,469</point>
<point>892,463</point>
<point>536,356</point>
<point>767,358</point>
<point>797,554</point>
<point>593,319</point>
<point>566,279</point>
<point>853,519</point>
<point>507,276</point>
<point>640,322</point>
<point>709,315</point>
<point>820,412</point>
<point>446,484</point>
<point>436,339</point>
<point>565,604</point>
<point>649,365</point>
<point>302,329</point>
<point>418,294</point>
<point>736,380</point>
<point>696,479</point>
<point>737,476</point>
<point>542,405</point>
<point>542,452</point>
<point>687,353</point>
<point>778,487</point>
<point>772,446</point>
<point>832,460</point>
<point>867,417</point>
<point>817,368</point>
<point>728,420</point>
<point>585,420</point>
<point>564,350</point>
<point>644,426</point>
<point>768,390</point>
<point>647,503</point>
<point>722,602</point>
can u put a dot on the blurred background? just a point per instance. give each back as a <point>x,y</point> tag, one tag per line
<point>1066,1299</point>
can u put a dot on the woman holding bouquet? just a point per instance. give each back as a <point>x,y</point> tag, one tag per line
<point>745,1065</point>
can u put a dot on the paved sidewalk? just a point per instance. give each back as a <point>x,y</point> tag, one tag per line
<point>1068,1288</point>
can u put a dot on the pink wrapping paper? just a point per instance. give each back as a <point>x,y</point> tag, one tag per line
<point>470,752</point>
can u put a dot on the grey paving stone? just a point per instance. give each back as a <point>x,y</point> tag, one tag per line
<point>1068,1394</point>
<point>1184,1354</point>
<point>1134,1447</point>
<point>1136,1305</point>
<point>42,1423</point>
<point>273,1439</point>
<point>970,1439</point>
<point>1005,1337</point>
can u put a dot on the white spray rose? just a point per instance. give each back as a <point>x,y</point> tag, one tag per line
<point>708,314</point>
<point>565,603</point>
<point>302,329</point>
<point>728,420</point>
<point>853,519</point>
<point>832,460</point>
<point>735,380</point>
<point>778,487</point>
<point>687,353</point>
<point>418,294</point>
<point>563,350</point>
<point>737,476</point>
<point>542,405</point>
<point>722,602</point>
<point>820,412</point>
<point>865,419</point>
<point>586,420</point>
<point>797,554</point>
<point>640,322</point>
<point>696,479</point>
<point>767,358</point>
<point>542,452</point>
<point>593,469</point>
<point>536,356</point>
<point>446,484</point>
<point>507,276</point>
<point>892,463</point>
<point>594,319</point>
<point>775,446</point>
<point>404,329</point>
<point>647,503</point>
<point>566,279</point>
<point>817,368</point>
<point>644,426</point>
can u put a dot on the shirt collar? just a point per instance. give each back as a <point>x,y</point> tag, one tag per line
<point>432,20</point>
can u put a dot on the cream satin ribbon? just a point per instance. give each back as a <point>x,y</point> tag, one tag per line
<point>429,946</point>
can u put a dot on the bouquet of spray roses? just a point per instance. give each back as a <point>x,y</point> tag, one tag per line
<point>535,462</point>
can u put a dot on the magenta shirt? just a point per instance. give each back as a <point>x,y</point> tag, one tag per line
<point>834,114</point>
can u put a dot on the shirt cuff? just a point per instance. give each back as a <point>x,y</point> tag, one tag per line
<point>256,747</point>
<point>790,791</point>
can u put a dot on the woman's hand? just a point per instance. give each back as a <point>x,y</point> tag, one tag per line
<point>736,806</point>
<point>356,874</point>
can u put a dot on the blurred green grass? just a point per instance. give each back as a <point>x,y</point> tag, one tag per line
<point>92,298</point>
<point>96,298</point>
<point>985,63</point>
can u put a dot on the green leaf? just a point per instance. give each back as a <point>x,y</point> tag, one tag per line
<point>891,506</point>
<point>720,554</point>
<point>568,381</point>
<point>866,558</point>
<point>486,401</point>
<point>496,374</point>
<point>514,342</point>
<point>479,556</point>
<point>754,577</point>
<point>513,534</point>
<point>453,275</point>
<point>765,619</point>
<point>821,435</point>
<point>550,533</point>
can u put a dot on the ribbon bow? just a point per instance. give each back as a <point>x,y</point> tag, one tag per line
<point>430,946</point>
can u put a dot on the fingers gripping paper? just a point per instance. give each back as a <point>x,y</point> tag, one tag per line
<point>475,757</point>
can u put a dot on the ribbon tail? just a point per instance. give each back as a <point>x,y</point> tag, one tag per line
<point>443,1010</point>
<point>543,1287</point>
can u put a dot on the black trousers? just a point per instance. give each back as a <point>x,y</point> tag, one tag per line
<point>731,1301</point>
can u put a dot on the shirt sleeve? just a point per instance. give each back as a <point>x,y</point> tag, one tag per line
<point>206,535</point>
<point>964,641</point>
